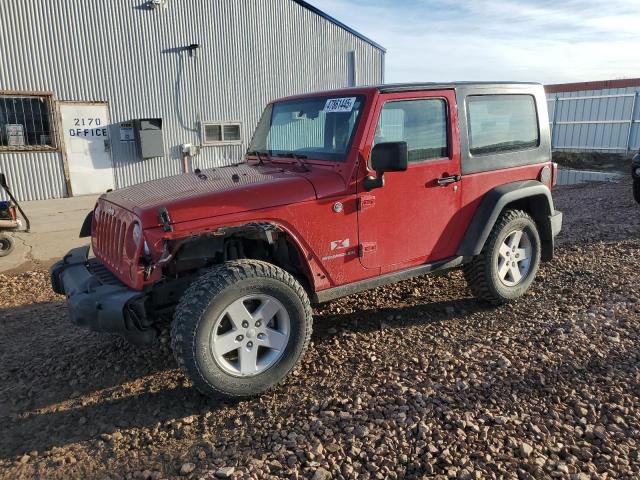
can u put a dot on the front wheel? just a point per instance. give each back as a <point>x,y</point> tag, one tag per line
<point>241,328</point>
<point>6,245</point>
<point>509,261</point>
<point>636,189</point>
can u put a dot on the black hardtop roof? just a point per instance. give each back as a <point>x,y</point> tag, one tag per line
<point>406,87</point>
<point>499,87</point>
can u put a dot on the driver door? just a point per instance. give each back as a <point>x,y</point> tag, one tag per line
<point>411,219</point>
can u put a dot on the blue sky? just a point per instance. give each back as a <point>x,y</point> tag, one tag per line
<point>547,41</point>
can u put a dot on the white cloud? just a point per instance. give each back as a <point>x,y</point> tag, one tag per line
<point>546,40</point>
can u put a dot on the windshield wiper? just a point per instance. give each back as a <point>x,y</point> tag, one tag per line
<point>301,163</point>
<point>291,155</point>
<point>259,155</point>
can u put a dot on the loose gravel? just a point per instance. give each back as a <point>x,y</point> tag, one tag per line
<point>406,381</point>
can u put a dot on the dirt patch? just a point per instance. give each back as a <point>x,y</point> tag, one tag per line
<point>411,380</point>
<point>597,161</point>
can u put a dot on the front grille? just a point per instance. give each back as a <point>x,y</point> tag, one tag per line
<point>110,228</point>
<point>110,238</point>
<point>102,273</point>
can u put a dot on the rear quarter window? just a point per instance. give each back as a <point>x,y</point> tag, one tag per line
<point>502,123</point>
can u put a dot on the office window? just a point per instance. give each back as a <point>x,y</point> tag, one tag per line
<point>420,123</point>
<point>25,122</point>
<point>218,133</point>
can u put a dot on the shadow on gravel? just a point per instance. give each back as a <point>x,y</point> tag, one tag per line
<point>121,386</point>
<point>126,387</point>
<point>158,410</point>
<point>42,350</point>
<point>360,321</point>
<point>42,431</point>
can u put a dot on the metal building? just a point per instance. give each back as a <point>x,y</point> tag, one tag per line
<point>99,94</point>
<point>595,116</point>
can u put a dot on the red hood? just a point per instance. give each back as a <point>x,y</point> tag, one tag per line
<point>219,191</point>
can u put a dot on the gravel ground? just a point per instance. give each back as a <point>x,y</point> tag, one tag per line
<point>405,381</point>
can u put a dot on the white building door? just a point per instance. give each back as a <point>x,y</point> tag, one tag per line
<point>86,142</point>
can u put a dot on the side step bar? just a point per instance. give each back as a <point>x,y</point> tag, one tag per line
<point>378,281</point>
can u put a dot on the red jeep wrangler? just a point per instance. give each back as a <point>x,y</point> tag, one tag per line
<point>339,192</point>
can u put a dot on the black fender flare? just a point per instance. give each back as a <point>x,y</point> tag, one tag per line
<point>85,230</point>
<point>531,194</point>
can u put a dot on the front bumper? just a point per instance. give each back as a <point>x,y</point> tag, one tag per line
<point>97,300</point>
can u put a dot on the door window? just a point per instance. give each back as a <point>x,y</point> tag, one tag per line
<point>420,123</point>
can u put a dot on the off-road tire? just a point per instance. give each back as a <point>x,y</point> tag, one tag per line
<point>636,189</point>
<point>482,272</point>
<point>206,299</point>
<point>6,245</point>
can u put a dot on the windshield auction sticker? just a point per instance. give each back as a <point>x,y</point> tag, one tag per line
<point>335,105</point>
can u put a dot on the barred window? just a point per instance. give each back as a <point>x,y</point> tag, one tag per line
<point>25,122</point>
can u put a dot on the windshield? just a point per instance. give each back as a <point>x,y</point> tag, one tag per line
<point>320,127</point>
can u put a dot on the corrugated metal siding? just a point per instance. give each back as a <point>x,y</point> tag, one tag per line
<point>33,175</point>
<point>596,120</point>
<point>134,58</point>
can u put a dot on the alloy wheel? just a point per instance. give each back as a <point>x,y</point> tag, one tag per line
<point>250,335</point>
<point>514,258</point>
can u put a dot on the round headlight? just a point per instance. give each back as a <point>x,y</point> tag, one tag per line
<point>637,171</point>
<point>136,233</point>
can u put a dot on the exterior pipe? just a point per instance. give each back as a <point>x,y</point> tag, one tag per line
<point>185,162</point>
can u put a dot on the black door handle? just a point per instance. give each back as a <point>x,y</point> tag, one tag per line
<point>447,180</point>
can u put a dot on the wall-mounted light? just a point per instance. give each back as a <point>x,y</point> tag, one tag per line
<point>192,49</point>
<point>154,4</point>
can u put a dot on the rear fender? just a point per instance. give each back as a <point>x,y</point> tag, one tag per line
<point>530,195</point>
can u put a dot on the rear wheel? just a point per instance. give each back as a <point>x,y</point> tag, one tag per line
<point>6,245</point>
<point>509,261</point>
<point>241,328</point>
<point>636,189</point>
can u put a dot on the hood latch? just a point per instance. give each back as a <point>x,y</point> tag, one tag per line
<point>165,219</point>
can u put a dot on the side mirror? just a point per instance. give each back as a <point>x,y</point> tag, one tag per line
<point>387,157</point>
<point>3,181</point>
